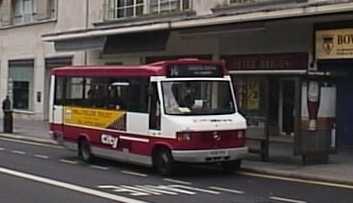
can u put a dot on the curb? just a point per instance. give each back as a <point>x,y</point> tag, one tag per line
<point>295,175</point>
<point>25,138</point>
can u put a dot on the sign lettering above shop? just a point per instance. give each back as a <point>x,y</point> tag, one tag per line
<point>267,61</point>
<point>345,39</point>
<point>334,44</point>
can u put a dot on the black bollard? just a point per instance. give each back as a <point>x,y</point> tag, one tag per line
<point>8,119</point>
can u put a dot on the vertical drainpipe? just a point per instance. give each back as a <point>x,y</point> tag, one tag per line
<point>86,27</point>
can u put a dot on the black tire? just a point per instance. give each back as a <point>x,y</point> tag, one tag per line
<point>84,151</point>
<point>231,166</point>
<point>163,162</point>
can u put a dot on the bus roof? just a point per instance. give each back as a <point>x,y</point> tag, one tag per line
<point>154,69</point>
<point>109,70</point>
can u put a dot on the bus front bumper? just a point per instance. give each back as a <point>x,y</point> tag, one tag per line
<point>209,156</point>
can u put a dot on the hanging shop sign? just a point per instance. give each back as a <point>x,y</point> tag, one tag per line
<point>334,44</point>
<point>313,102</point>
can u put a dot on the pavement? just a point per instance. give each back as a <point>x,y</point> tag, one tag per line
<point>282,161</point>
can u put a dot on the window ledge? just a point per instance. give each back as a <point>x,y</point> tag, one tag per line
<point>5,27</point>
<point>144,18</point>
<point>23,112</point>
<point>258,6</point>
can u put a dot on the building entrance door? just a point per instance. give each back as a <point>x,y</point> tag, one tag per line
<point>286,107</point>
<point>345,111</point>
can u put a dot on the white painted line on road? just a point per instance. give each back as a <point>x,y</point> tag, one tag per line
<point>68,161</point>
<point>281,199</point>
<point>2,149</point>
<point>314,182</point>
<point>195,189</point>
<point>141,190</point>
<point>18,152</point>
<point>239,192</point>
<point>155,189</point>
<point>99,167</point>
<point>32,143</point>
<point>69,186</point>
<point>41,156</point>
<point>134,173</point>
<point>177,181</point>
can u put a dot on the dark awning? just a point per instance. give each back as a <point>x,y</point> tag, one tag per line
<point>80,44</point>
<point>136,42</point>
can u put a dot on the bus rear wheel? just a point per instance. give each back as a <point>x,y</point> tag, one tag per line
<point>163,162</point>
<point>231,166</point>
<point>84,151</point>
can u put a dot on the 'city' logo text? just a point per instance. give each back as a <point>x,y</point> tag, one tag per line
<point>110,140</point>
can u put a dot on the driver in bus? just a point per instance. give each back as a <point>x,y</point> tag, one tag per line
<point>114,101</point>
<point>188,99</point>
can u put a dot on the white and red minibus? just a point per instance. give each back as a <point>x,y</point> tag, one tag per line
<point>160,114</point>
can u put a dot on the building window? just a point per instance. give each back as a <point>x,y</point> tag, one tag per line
<point>166,6</point>
<point>24,11</point>
<point>21,80</point>
<point>28,11</point>
<point>127,8</point>
<point>133,8</point>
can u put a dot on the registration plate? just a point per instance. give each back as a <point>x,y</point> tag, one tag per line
<point>218,153</point>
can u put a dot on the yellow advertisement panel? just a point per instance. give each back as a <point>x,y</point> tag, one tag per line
<point>99,118</point>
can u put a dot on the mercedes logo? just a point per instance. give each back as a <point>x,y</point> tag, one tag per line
<point>216,136</point>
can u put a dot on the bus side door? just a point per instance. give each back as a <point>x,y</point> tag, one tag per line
<point>56,109</point>
<point>154,108</point>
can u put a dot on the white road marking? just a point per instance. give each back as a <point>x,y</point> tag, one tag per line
<point>227,190</point>
<point>149,192</point>
<point>68,161</point>
<point>195,189</point>
<point>148,188</point>
<point>32,143</point>
<point>41,156</point>
<point>177,181</point>
<point>125,190</point>
<point>281,199</point>
<point>2,149</point>
<point>177,190</point>
<point>99,167</point>
<point>18,152</point>
<point>134,173</point>
<point>314,182</point>
<point>69,186</point>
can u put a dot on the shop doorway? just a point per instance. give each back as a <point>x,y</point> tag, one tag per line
<point>286,107</point>
<point>345,111</point>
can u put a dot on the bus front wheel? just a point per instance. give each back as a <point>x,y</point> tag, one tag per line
<point>84,151</point>
<point>163,162</point>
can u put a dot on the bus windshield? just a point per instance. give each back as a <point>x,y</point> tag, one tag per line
<point>197,97</point>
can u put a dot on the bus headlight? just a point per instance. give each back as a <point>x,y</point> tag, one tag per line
<point>183,136</point>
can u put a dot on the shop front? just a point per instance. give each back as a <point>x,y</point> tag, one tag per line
<point>273,94</point>
<point>268,90</point>
<point>334,54</point>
